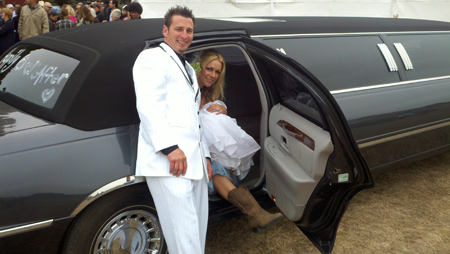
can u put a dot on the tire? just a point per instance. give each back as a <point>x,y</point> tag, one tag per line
<point>124,221</point>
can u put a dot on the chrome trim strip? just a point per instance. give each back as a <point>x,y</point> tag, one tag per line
<point>337,34</point>
<point>402,135</point>
<point>404,55</point>
<point>117,184</point>
<point>388,57</point>
<point>362,88</point>
<point>24,228</point>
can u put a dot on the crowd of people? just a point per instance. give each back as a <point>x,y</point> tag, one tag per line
<point>19,22</point>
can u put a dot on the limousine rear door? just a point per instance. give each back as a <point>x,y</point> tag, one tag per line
<point>312,163</point>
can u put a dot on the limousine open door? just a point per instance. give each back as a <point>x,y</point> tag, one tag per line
<point>312,163</point>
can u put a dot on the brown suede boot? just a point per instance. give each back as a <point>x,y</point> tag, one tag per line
<point>258,218</point>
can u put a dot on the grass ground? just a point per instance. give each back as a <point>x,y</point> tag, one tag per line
<point>408,211</point>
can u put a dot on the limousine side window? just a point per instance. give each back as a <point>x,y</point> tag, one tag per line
<point>292,92</point>
<point>429,54</point>
<point>339,62</point>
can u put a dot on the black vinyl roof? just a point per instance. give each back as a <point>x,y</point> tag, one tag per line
<point>100,93</point>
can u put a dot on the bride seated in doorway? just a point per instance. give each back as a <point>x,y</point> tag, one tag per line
<point>230,147</point>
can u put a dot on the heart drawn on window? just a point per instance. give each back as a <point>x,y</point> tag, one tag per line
<point>47,94</point>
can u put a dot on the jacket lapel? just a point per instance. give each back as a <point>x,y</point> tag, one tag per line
<point>180,65</point>
<point>175,58</point>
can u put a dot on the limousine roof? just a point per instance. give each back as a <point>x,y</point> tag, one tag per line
<point>103,96</point>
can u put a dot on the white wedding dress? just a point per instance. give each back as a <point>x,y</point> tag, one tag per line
<point>228,144</point>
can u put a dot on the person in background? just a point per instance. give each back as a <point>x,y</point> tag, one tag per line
<point>10,6</point>
<point>33,20</point>
<point>98,12</point>
<point>134,10</point>
<point>15,6</point>
<point>72,15</point>
<point>115,15</point>
<point>106,11</point>
<point>124,13</point>
<point>6,31</point>
<point>52,18</point>
<point>2,5</point>
<point>99,3</point>
<point>112,6</point>
<point>77,9</point>
<point>64,21</point>
<point>93,13</point>
<point>85,17</point>
<point>47,7</point>
<point>16,22</point>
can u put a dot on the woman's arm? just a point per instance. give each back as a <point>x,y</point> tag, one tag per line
<point>218,109</point>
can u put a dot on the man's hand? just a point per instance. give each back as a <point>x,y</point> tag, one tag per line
<point>178,164</point>
<point>210,169</point>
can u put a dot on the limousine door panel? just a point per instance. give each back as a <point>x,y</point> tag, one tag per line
<point>312,163</point>
<point>296,154</point>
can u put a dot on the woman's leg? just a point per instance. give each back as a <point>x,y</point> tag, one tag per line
<point>222,185</point>
<point>259,219</point>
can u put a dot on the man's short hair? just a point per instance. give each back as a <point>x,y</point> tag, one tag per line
<point>178,10</point>
<point>53,13</point>
<point>135,7</point>
<point>115,2</point>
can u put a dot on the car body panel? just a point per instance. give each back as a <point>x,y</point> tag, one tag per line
<point>67,165</point>
<point>13,120</point>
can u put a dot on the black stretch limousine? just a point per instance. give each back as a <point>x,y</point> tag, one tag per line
<point>330,100</point>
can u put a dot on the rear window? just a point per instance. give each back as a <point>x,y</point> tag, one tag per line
<point>35,74</point>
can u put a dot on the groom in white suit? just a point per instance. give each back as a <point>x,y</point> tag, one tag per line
<point>172,153</point>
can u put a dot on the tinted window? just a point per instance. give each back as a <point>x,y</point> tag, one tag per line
<point>291,90</point>
<point>339,62</point>
<point>35,74</point>
<point>429,54</point>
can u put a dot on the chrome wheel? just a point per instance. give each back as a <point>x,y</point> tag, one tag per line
<point>132,231</point>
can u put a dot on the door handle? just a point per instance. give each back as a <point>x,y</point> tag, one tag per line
<point>292,131</point>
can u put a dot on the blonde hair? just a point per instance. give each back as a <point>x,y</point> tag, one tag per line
<point>70,10</point>
<point>215,92</point>
<point>7,12</point>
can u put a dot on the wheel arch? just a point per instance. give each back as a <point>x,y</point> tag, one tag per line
<point>105,190</point>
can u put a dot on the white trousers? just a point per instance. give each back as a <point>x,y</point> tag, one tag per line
<point>182,206</point>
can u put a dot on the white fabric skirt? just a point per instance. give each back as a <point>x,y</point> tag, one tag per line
<point>228,144</point>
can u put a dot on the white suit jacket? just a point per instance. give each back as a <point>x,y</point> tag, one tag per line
<point>168,107</point>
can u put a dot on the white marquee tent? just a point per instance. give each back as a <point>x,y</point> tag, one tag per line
<point>419,9</point>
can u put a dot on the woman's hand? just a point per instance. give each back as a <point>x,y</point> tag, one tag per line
<point>218,109</point>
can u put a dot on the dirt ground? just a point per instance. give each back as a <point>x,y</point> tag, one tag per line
<point>408,211</point>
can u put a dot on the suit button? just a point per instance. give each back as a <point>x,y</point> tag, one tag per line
<point>199,126</point>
